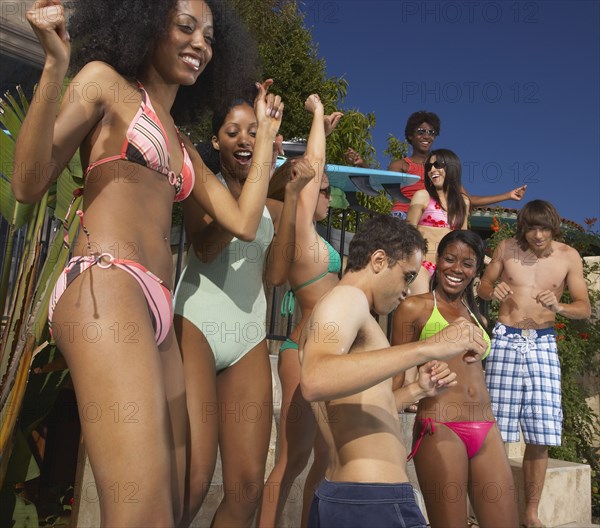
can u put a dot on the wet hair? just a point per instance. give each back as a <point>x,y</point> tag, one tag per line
<point>124,34</point>
<point>537,213</point>
<point>422,116</point>
<point>474,241</point>
<point>456,207</point>
<point>396,237</point>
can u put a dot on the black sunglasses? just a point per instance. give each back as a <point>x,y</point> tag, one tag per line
<point>438,164</point>
<point>426,131</point>
<point>326,191</point>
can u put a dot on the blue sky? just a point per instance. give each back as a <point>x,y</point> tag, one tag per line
<point>515,83</point>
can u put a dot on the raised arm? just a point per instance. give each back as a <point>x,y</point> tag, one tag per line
<point>46,142</point>
<point>515,194</point>
<point>282,249</point>
<point>241,217</point>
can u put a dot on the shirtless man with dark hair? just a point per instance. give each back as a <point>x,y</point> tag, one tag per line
<point>347,371</point>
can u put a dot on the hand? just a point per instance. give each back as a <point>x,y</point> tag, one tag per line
<point>518,193</point>
<point>300,174</point>
<point>501,292</point>
<point>354,158</point>
<point>47,18</point>
<point>459,337</point>
<point>268,107</point>
<point>313,103</point>
<point>548,300</point>
<point>277,150</point>
<point>435,377</point>
<point>331,121</point>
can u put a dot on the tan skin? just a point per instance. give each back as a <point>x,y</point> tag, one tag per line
<point>433,235</point>
<point>442,465</point>
<point>348,366</point>
<point>243,443</point>
<point>298,432</point>
<point>135,388</point>
<point>529,282</point>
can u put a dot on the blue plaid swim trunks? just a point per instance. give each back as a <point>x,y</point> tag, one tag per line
<point>522,374</point>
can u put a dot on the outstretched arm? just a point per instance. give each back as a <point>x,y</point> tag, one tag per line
<point>330,372</point>
<point>515,194</point>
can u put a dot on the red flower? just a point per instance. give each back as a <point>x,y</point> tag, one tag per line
<point>590,221</point>
<point>560,337</point>
<point>495,224</point>
<point>559,326</point>
<point>585,336</point>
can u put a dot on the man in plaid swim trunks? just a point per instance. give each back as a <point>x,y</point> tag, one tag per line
<point>527,275</point>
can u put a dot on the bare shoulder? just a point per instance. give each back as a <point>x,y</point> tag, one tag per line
<point>506,248</point>
<point>421,196</point>
<point>566,252</point>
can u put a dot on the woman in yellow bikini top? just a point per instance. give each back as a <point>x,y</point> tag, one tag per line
<point>456,443</point>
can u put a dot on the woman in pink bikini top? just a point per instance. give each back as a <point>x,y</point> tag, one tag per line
<point>438,209</point>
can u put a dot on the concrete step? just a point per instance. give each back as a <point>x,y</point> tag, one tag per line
<point>566,498</point>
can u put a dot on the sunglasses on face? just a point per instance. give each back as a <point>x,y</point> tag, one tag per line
<point>409,278</point>
<point>426,132</point>
<point>326,191</point>
<point>437,164</point>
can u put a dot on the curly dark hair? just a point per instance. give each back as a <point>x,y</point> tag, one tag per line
<point>396,237</point>
<point>537,213</point>
<point>422,116</point>
<point>124,34</point>
<point>456,207</point>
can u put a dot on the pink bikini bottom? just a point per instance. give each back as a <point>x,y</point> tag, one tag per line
<point>472,434</point>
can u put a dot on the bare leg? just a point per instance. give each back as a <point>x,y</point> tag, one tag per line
<point>315,475</point>
<point>203,411</point>
<point>491,485</point>
<point>296,436</point>
<point>124,397</point>
<point>442,468</point>
<point>535,463</point>
<point>246,413</point>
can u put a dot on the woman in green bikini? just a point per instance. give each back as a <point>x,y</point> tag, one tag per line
<point>313,272</point>
<point>457,446</point>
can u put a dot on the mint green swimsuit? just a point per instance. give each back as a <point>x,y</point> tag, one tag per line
<point>225,299</point>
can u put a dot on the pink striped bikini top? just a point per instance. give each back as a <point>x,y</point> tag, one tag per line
<point>146,143</point>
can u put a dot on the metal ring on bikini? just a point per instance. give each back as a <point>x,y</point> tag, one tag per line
<point>99,262</point>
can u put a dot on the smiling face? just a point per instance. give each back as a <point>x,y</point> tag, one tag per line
<point>539,239</point>
<point>437,173</point>
<point>422,139</point>
<point>235,141</point>
<point>456,268</point>
<point>182,55</point>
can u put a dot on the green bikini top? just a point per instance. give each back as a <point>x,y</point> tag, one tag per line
<point>436,323</point>
<point>288,305</point>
